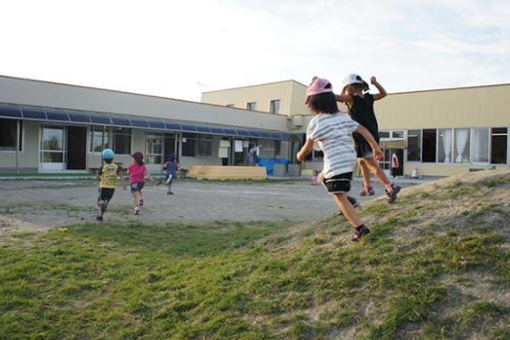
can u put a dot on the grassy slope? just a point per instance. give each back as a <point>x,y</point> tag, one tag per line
<point>436,266</point>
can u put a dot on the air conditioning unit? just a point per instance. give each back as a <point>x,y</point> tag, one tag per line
<point>296,122</point>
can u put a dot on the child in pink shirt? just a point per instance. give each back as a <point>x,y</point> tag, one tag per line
<point>137,172</point>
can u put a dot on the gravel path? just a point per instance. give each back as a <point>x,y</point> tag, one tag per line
<point>39,205</point>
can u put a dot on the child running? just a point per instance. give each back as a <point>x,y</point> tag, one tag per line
<point>137,172</point>
<point>171,167</point>
<point>361,109</point>
<point>107,176</point>
<point>333,133</point>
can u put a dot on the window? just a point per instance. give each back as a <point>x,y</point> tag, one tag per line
<point>384,134</point>
<point>461,146</point>
<point>277,147</point>
<point>100,138</point>
<point>397,134</point>
<point>274,106</point>
<point>480,145</point>
<point>414,145</point>
<point>251,106</point>
<point>204,145</point>
<point>154,148</point>
<point>444,150</point>
<point>188,144</point>
<point>429,145</point>
<point>499,145</point>
<point>122,141</point>
<point>8,132</point>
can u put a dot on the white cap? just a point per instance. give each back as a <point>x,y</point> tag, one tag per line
<point>352,78</point>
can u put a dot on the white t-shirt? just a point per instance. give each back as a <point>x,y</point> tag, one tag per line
<point>333,134</point>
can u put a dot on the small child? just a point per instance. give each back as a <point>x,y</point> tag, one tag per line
<point>315,178</point>
<point>137,172</point>
<point>361,109</point>
<point>333,133</point>
<point>171,167</point>
<point>107,176</point>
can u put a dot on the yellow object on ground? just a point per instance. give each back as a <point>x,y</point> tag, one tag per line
<point>227,172</point>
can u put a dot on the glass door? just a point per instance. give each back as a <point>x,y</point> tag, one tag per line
<point>53,154</point>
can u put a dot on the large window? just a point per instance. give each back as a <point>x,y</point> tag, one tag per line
<point>197,145</point>
<point>251,106</point>
<point>444,150</point>
<point>429,145</point>
<point>499,145</point>
<point>414,145</point>
<point>461,149</point>
<point>154,148</point>
<point>8,132</point>
<point>274,106</point>
<point>204,145</point>
<point>122,141</point>
<point>100,138</point>
<point>188,144</point>
<point>480,150</point>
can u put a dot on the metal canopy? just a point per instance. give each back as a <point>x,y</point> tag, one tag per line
<point>92,118</point>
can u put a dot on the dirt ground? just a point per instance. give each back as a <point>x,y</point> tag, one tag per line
<point>39,205</point>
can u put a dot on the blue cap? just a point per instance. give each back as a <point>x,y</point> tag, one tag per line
<point>108,154</point>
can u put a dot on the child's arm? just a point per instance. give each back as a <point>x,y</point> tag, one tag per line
<point>121,176</point>
<point>378,154</point>
<point>344,98</point>
<point>146,173</point>
<point>98,173</point>
<point>382,92</point>
<point>305,150</point>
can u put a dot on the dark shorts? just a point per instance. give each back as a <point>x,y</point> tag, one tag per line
<point>137,186</point>
<point>363,150</point>
<point>169,178</point>
<point>339,184</point>
<point>105,194</point>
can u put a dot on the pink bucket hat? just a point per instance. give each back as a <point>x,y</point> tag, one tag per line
<point>317,86</point>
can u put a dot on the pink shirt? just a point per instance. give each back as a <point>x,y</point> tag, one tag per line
<point>136,173</point>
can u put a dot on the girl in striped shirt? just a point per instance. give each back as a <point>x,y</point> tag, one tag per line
<point>332,132</point>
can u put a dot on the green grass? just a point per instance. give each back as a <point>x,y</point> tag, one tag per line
<point>261,280</point>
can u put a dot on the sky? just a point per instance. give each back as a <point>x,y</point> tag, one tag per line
<point>179,49</point>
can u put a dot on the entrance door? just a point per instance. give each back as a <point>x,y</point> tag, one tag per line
<point>76,148</point>
<point>53,154</point>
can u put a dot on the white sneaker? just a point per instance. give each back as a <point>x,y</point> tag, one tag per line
<point>137,211</point>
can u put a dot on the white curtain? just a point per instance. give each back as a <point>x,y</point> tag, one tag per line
<point>480,145</point>
<point>447,144</point>
<point>461,136</point>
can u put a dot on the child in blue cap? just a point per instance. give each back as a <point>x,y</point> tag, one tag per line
<point>107,176</point>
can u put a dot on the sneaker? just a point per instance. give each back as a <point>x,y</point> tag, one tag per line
<point>140,201</point>
<point>169,193</point>
<point>99,218</point>
<point>137,211</point>
<point>359,232</point>
<point>392,195</point>
<point>369,192</point>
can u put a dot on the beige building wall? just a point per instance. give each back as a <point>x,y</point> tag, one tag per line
<point>38,93</point>
<point>484,106</point>
<point>290,93</point>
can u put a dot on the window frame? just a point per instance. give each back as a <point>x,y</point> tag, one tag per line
<point>105,130</point>
<point>21,136</point>
<point>152,154</point>
<point>116,133</point>
<point>271,106</point>
<point>251,106</point>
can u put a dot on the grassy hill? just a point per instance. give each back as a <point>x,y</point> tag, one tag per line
<point>436,266</point>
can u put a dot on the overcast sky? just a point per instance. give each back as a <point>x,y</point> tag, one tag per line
<point>180,48</point>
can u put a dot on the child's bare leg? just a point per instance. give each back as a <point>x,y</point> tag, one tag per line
<point>347,209</point>
<point>365,173</point>
<point>135,197</point>
<point>100,208</point>
<point>377,171</point>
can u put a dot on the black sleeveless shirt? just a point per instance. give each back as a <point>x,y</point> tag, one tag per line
<point>362,111</point>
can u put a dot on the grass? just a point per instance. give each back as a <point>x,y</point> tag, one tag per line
<point>263,280</point>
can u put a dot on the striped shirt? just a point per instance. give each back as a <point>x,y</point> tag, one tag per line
<point>333,134</point>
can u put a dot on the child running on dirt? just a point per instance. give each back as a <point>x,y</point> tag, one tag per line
<point>171,167</point>
<point>107,176</point>
<point>361,109</point>
<point>137,172</point>
<point>333,133</point>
